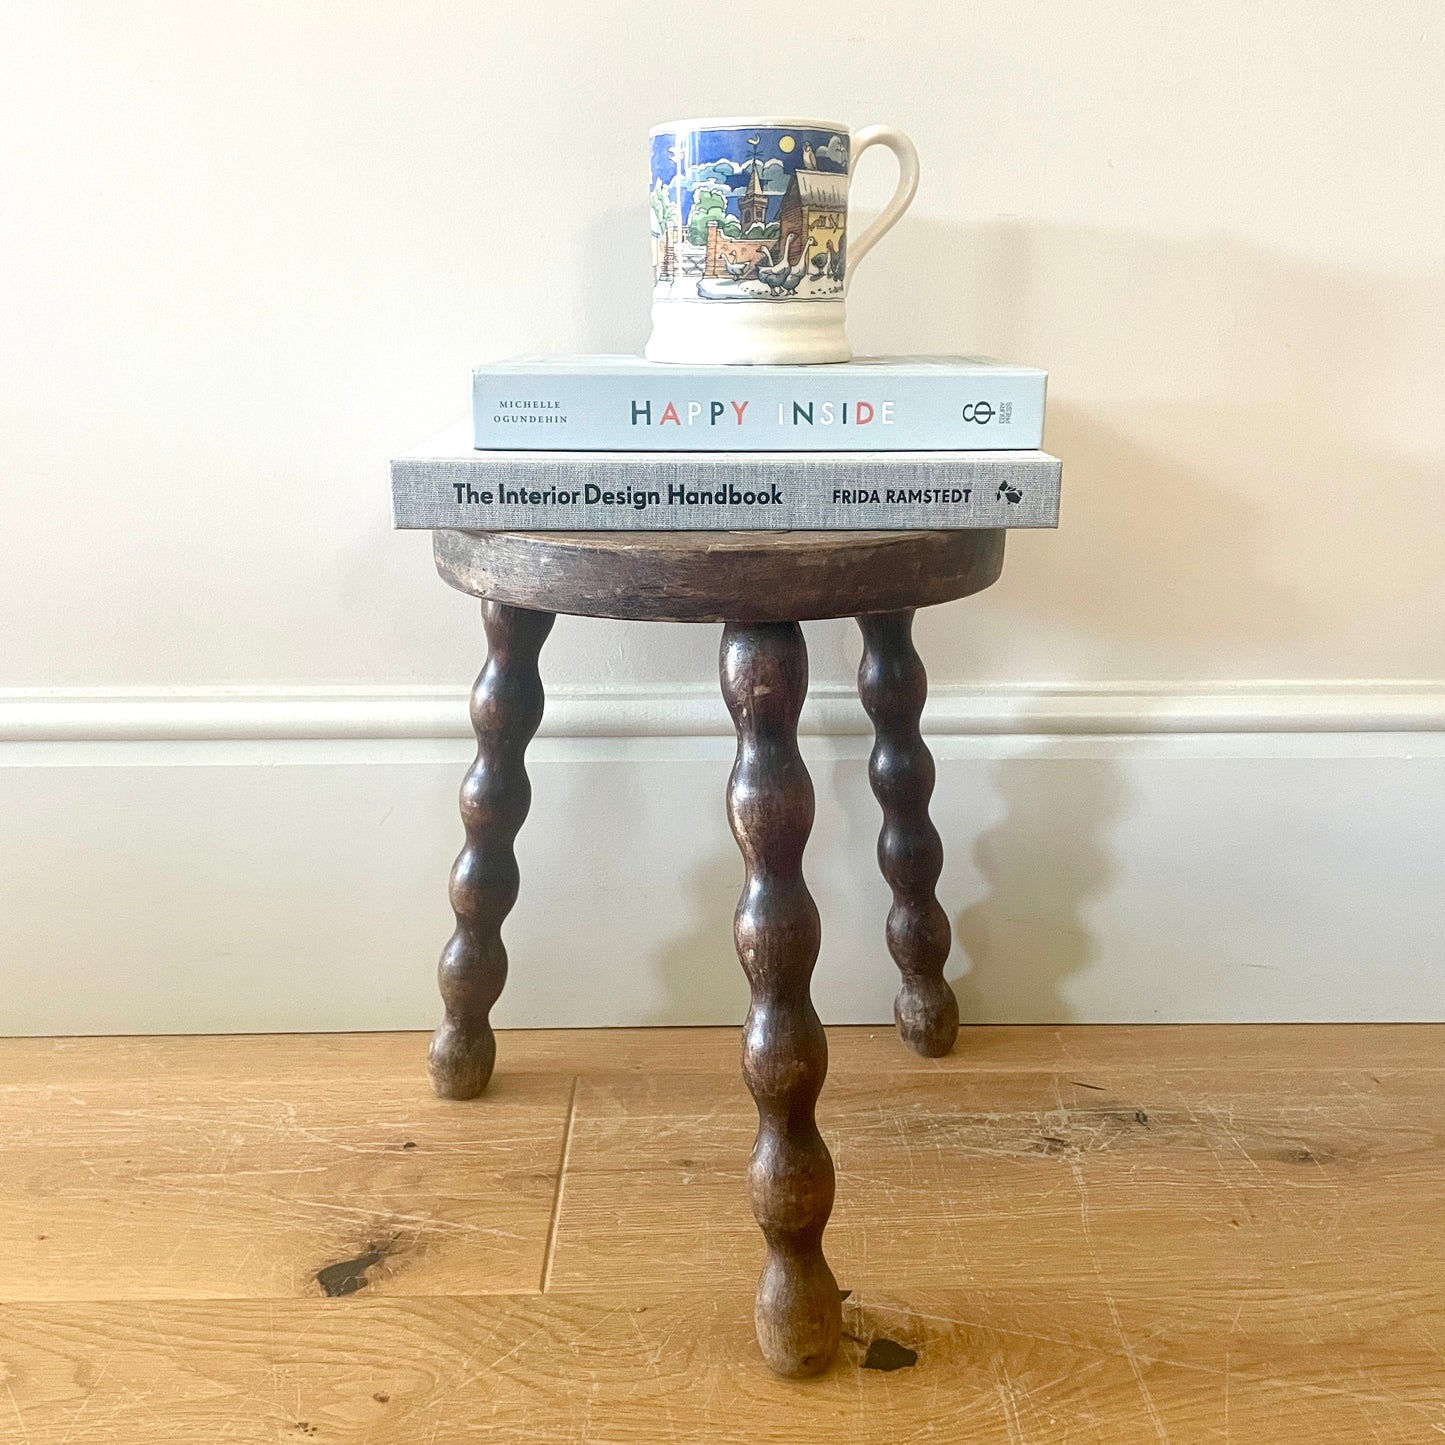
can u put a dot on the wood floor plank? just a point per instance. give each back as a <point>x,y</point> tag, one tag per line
<point>176,1186</point>
<point>983,1180</point>
<point>1031,1364</point>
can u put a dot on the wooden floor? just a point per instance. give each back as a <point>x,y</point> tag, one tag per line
<point>1086,1234</point>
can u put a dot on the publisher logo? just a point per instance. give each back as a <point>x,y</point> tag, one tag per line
<point>983,412</point>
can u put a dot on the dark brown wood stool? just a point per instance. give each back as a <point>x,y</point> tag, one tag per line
<point>760,586</point>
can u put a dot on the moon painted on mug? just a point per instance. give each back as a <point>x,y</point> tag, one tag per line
<point>786,143</point>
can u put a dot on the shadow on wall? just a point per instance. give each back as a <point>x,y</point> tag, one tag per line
<point>615,275</point>
<point>692,975</point>
<point>1042,861</point>
<point>698,971</point>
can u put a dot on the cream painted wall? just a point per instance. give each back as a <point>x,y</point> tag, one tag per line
<point>251,249</point>
<point>247,251</point>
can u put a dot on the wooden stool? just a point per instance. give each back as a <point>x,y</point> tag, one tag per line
<point>759,586</point>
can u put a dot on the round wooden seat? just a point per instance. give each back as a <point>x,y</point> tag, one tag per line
<point>720,576</point>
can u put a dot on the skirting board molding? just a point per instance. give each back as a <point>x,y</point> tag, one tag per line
<point>233,714</point>
<point>247,860</point>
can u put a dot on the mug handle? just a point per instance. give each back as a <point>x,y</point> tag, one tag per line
<point>906,154</point>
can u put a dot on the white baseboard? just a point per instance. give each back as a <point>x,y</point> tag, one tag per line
<point>336,713</point>
<point>245,859</point>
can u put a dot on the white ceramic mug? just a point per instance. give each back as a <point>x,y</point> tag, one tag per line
<point>750,245</point>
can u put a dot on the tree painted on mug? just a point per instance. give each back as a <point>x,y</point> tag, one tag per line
<point>664,210</point>
<point>710,204</point>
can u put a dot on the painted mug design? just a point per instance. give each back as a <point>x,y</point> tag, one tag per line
<point>750,242</point>
<point>750,213</point>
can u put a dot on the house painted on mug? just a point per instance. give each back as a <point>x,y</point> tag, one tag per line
<point>812,220</point>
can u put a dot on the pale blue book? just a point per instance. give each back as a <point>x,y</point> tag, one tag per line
<point>869,404</point>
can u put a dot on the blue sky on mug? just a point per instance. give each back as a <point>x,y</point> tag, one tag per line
<point>686,164</point>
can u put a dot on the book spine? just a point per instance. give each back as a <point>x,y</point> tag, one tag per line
<point>860,410</point>
<point>454,492</point>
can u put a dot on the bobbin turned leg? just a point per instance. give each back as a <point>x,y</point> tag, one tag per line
<point>764,670</point>
<point>506,709</point>
<point>893,687</point>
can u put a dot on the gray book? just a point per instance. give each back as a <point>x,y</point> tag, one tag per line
<point>445,482</point>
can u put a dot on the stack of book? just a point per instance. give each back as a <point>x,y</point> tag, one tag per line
<point>614,443</point>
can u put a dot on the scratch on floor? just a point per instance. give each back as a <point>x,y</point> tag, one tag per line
<point>1002,1386</point>
<point>1129,1354</point>
<point>1226,1393</point>
<point>357,1213</point>
<point>550,1248</point>
<point>15,1405</point>
<point>91,1388</point>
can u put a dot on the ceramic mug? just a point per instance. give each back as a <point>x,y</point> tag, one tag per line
<point>750,244</point>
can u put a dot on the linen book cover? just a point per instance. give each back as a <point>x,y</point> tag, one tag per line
<point>446,482</point>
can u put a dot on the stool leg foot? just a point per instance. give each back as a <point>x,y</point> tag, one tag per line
<point>893,687</point>
<point>764,669</point>
<point>496,794</point>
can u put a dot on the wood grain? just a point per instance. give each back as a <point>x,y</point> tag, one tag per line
<point>893,687</point>
<point>1010,1178</point>
<point>720,576</point>
<point>1031,1364</point>
<point>506,709</point>
<point>174,1183</point>
<point>764,671</point>
<point>1259,1258</point>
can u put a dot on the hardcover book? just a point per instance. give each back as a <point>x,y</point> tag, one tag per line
<point>448,483</point>
<point>881,403</point>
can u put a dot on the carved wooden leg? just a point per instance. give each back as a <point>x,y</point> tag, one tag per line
<point>764,670</point>
<point>893,687</point>
<point>506,709</point>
